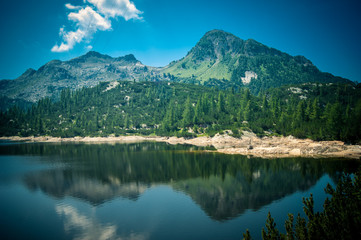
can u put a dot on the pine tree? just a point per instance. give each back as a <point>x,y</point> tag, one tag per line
<point>300,112</point>
<point>247,111</point>
<point>199,111</point>
<point>308,110</point>
<point>340,218</point>
<point>168,123</point>
<point>315,110</point>
<point>272,233</point>
<point>187,113</point>
<point>290,235</point>
<point>334,121</point>
<point>264,103</point>
<point>126,121</point>
<point>247,235</point>
<point>221,103</point>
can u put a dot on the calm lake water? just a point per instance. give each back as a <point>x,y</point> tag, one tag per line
<point>151,191</point>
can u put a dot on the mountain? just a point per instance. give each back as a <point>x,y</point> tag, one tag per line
<point>84,71</point>
<point>220,58</point>
<point>213,57</point>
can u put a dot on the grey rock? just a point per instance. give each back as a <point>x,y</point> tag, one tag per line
<point>84,71</point>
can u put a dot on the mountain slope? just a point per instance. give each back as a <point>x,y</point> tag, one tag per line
<point>316,111</point>
<point>208,59</point>
<point>222,56</point>
<point>218,59</point>
<point>85,71</point>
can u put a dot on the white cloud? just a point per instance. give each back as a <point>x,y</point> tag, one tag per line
<point>88,227</point>
<point>115,8</point>
<point>70,39</point>
<point>88,21</point>
<point>71,7</point>
<point>87,18</point>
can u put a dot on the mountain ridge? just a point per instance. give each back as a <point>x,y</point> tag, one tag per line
<point>87,70</point>
<point>220,55</point>
<point>218,59</point>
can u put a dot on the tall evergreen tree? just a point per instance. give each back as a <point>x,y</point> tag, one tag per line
<point>187,113</point>
<point>315,110</point>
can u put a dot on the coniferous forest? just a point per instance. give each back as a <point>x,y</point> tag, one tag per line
<point>158,120</point>
<point>316,111</point>
<point>340,218</point>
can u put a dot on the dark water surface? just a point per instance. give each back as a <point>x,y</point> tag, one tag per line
<point>151,191</point>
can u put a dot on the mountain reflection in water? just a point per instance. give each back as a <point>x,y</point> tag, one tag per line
<point>224,186</point>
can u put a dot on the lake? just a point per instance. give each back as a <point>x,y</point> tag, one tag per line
<point>151,191</point>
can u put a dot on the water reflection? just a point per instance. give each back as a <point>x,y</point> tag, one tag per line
<point>59,183</point>
<point>81,226</point>
<point>228,197</point>
<point>224,186</point>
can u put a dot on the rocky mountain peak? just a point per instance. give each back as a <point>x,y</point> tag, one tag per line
<point>29,72</point>
<point>127,58</point>
<point>215,44</point>
<point>95,55</point>
<point>92,56</point>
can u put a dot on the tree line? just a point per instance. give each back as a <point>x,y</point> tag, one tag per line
<point>316,111</point>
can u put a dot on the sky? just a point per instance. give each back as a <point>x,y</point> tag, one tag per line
<point>327,32</point>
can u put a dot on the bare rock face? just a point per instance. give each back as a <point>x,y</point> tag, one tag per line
<point>289,147</point>
<point>270,147</point>
<point>249,75</point>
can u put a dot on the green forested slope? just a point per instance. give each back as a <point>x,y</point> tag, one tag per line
<point>317,111</point>
<point>222,59</point>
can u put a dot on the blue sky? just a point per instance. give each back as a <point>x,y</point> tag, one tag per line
<point>159,31</point>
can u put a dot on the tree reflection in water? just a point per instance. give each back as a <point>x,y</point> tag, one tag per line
<point>224,186</point>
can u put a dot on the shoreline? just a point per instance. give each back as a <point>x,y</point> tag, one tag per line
<point>249,144</point>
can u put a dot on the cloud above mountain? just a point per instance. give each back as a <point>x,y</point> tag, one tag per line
<point>117,8</point>
<point>95,15</point>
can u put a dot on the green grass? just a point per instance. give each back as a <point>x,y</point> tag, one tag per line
<point>202,71</point>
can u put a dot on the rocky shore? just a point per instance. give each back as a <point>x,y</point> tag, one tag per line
<point>248,144</point>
